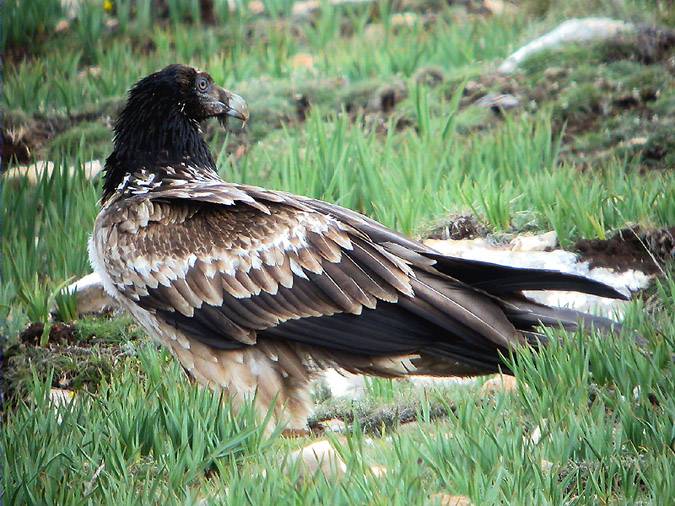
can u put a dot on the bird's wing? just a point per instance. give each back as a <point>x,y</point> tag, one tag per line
<point>227,265</point>
<point>497,279</point>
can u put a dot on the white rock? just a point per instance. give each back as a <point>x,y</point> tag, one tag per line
<point>441,499</point>
<point>333,425</point>
<point>91,297</point>
<point>71,7</point>
<point>45,168</point>
<point>498,101</point>
<point>378,471</point>
<point>535,437</point>
<point>318,457</point>
<point>498,6</point>
<point>546,465</point>
<point>307,7</point>
<point>573,30</point>
<point>499,383</point>
<point>540,242</point>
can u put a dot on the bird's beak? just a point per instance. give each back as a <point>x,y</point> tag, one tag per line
<point>234,105</point>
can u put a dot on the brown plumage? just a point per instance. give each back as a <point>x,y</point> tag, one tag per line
<point>254,289</point>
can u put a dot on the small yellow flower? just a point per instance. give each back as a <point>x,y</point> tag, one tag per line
<point>107,5</point>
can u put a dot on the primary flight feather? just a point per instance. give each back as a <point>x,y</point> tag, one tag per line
<point>255,291</point>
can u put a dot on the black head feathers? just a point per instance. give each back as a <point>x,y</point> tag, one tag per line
<point>159,124</point>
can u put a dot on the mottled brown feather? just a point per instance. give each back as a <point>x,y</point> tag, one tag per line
<point>296,269</point>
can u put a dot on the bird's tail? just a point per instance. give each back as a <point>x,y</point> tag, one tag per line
<point>505,284</point>
<point>502,280</point>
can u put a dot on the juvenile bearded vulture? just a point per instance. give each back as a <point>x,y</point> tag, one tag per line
<point>256,290</point>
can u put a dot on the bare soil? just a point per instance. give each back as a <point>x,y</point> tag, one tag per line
<point>631,248</point>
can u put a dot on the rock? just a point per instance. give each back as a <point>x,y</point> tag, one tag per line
<point>62,26</point>
<point>318,457</point>
<point>635,141</point>
<point>463,248</point>
<point>378,471</point>
<point>71,8</point>
<point>45,168</point>
<point>500,383</point>
<point>91,71</point>
<point>497,7</point>
<point>546,465</point>
<point>256,7</point>
<point>404,19</point>
<point>112,24</point>
<point>450,500</point>
<point>498,102</point>
<point>91,296</point>
<point>303,9</point>
<point>535,437</point>
<point>302,61</point>
<point>373,33</point>
<point>573,30</point>
<point>333,425</point>
<point>540,242</point>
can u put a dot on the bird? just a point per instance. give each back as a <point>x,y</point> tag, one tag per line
<point>257,291</point>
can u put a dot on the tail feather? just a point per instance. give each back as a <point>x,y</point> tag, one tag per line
<point>527,315</point>
<point>502,280</point>
<point>505,284</point>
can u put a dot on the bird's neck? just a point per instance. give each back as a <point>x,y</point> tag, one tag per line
<point>148,141</point>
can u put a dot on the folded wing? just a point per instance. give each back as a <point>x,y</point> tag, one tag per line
<point>257,266</point>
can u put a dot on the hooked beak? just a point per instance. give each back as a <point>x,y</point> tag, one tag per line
<point>233,106</point>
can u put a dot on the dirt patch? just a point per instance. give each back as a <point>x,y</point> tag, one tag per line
<point>59,333</point>
<point>26,137</point>
<point>80,355</point>
<point>74,367</point>
<point>648,45</point>
<point>374,419</point>
<point>631,248</point>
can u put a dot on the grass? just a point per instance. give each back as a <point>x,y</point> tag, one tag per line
<point>355,106</point>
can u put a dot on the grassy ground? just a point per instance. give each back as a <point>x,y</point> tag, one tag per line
<point>371,106</point>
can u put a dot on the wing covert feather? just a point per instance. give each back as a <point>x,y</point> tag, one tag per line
<point>232,270</point>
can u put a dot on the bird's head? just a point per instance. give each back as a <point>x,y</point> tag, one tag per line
<point>188,91</point>
<point>160,122</point>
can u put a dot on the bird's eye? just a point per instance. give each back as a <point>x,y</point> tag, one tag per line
<point>202,84</point>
